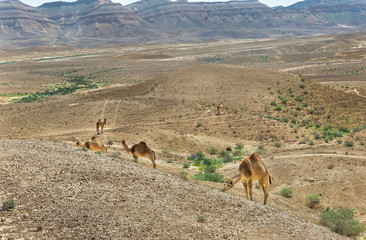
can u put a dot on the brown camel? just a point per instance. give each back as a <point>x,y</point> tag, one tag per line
<point>101,124</point>
<point>95,144</point>
<point>251,169</point>
<point>219,108</point>
<point>140,150</point>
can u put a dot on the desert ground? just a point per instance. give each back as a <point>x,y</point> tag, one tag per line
<point>300,103</point>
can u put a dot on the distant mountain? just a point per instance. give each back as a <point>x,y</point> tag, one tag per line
<point>18,20</point>
<point>98,22</point>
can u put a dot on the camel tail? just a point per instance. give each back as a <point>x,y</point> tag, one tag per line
<point>270,179</point>
<point>154,155</point>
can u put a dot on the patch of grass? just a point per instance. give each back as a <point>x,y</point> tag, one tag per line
<point>9,204</point>
<point>286,192</point>
<point>213,151</point>
<point>303,141</point>
<point>201,219</point>
<point>110,141</point>
<point>278,108</point>
<point>208,176</point>
<point>186,165</point>
<point>226,156</point>
<point>341,221</point>
<point>312,200</point>
<point>299,98</point>
<point>239,145</point>
<point>238,152</point>
<point>74,83</point>
<point>349,143</point>
<point>277,144</point>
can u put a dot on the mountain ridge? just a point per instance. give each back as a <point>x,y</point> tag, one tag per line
<point>73,23</point>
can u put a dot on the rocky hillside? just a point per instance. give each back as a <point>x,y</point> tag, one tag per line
<point>77,23</point>
<point>63,192</point>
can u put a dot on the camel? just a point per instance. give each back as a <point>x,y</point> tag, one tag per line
<point>140,150</point>
<point>251,169</point>
<point>101,124</point>
<point>219,108</point>
<point>95,144</point>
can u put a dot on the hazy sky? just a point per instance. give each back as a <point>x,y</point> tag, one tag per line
<point>271,3</point>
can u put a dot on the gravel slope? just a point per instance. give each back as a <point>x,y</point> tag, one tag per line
<point>66,193</point>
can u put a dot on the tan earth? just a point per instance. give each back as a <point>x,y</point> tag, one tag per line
<point>167,96</point>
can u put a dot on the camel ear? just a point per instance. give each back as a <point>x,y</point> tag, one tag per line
<point>254,156</point>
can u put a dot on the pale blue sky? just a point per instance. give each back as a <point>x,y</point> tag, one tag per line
<point>271,3</point>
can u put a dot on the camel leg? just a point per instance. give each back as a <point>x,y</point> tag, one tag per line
<point>153,161</point>
<point>264,186</point>
<point>136,159</point>
<point>250,189</point>
<point>245,184</point>
<point>102,129</point>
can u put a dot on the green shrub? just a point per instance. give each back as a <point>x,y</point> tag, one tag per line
<point>186,165</point>
<point>273,103</point>
<point>227,157</point>
<point>278,108</point>
<point>199,124</point>
<point>303,141</point>
<point>293,120</point>
<point>286,192</point>
<point>317,136</point>
<point>277,144</point>
<point>238,152</point>
<point>110,141</point>
<point>9,204</point>
<point>239,145</point>
<point>298,107</point>
<point>201,219</point>
<point>312,200</point>
<point>299,98</point>
<point>207,176</point>
<point>284,119</point>
<point>197,157</point>
<point>284,100</point>
<point>344,130</point>
<point>311,142</point>
<point>341,221</point>
<point>210,169</point>
<point>213,151</point>
<point>349,143</point>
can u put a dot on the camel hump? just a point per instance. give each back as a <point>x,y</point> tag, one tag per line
<point>254,157</point>
<point>143,143</point>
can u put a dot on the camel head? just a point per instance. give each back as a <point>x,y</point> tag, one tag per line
<point>78,142</point>
<point>228,184</point>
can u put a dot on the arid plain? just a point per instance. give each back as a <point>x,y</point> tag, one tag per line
<point>278,97</point>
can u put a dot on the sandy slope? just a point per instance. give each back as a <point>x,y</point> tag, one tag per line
<point>66,193</point>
